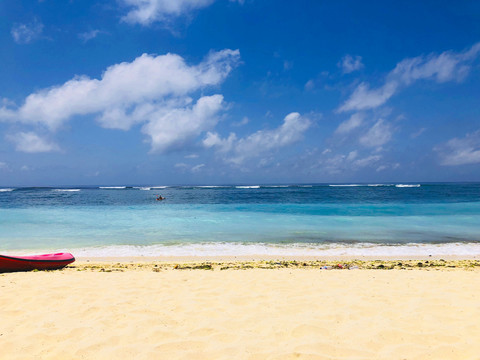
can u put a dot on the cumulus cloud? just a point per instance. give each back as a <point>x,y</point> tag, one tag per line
<point>378,135</point>
<point>30,142</point>
<point>27,33</point>
<point>171,129</point>
<point>146,12</point>
<point>447,66</point>
<point>151,89</point>
<point>238,150</point>
<point>350,64</point>
<point>461,151</point>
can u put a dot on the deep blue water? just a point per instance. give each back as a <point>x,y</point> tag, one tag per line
<point>307,217</point>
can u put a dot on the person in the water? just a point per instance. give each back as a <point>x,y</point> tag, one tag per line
<point>160,197</point>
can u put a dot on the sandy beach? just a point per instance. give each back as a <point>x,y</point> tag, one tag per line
<point>248,310</point>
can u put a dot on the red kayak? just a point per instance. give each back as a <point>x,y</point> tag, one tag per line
<point>35,262</point>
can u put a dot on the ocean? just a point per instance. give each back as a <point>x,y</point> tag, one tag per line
<point>277,220</point>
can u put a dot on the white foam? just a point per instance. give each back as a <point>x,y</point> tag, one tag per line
<point>112,187</point>
<point>142,188</point>
<point>380,185</point>
<point>248,187</point>
<point>6,190</point>
<point>346,185</point>
<point>158,187</point>
<point>67,190</point>
<point>407,185</point>
<point>263,249</point>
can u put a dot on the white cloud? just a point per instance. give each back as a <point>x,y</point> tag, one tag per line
<point>185,167</point>
<point>172,128</point>
<point>310,85</point>
<point>447,66</point>
<point>348,125</point>
<point>242,122</point>
<point>379,134</point>
<point>125,89</point>
<point>461,151</point>
<point>3,165</point>
<point>418,133</point>
<point>146,12</point>
<point>89,35</point>
<point>363,98</point>
<point>340,163</point>
<point>237,150</point>
<point>384,167</point>
<point>352,155</point>
<point>367,161</point>
<point>197,168</point>
<point>30,142</point>
<point>151,89</point>
<point>181,165</point>
<point>350,64</point>
<point>27,33</point>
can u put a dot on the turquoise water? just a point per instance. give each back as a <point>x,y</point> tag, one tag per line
<point>235,220</point>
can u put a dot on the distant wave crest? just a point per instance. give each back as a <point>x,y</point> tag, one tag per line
<point>345,185</point>
<point>7,190</point>
<point>376,185</point>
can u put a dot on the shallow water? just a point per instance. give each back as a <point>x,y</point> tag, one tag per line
<point>243,219</point>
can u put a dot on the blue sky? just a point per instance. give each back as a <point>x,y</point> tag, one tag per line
<point>246,91</point>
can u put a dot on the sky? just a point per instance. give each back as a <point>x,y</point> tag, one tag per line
<point>172,92</point>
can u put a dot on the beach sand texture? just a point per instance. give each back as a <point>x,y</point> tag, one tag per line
<point>241,314</point>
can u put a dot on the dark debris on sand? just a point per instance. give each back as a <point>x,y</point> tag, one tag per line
<point>280,264</point>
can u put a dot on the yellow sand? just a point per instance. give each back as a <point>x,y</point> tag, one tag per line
<point>241,314</point>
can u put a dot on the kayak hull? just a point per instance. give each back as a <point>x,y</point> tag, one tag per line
<point>35,262</point>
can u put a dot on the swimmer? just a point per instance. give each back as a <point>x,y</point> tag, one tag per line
<point>160,197</point>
